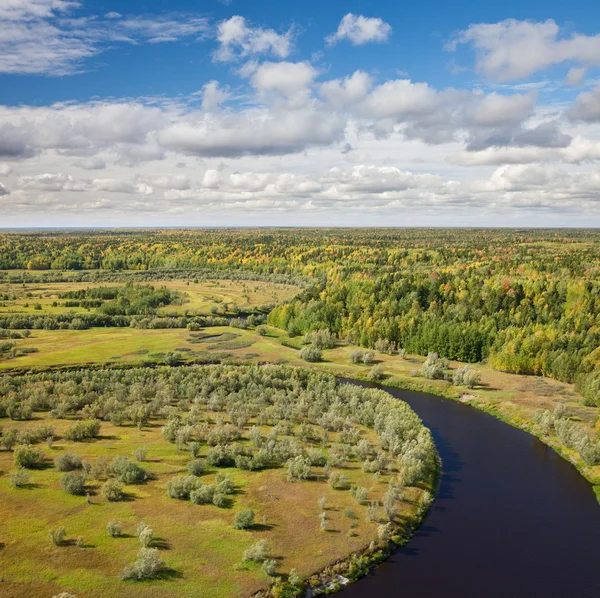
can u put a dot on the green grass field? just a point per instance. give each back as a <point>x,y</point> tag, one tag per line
<point>198,543</point>
<point>201,298</point>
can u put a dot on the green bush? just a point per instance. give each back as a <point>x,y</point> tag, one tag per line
<point>83,430</point>
<point>114,529</point>
<point>311,353</point>
<point>244,519</point>
<point>28,457</point>
<point>202,495</point>
<point>73,483</point>
<point>182,486</point>
<point>258,552</point>
<point>18,478</point>
<point>196,467</point>
<point>112,490</point>
<point>127,471</point>
<point>147,565</point>
<point>68,462</point>
<point>57,536</point>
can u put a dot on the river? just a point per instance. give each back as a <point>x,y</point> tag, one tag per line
<point>512,519</point>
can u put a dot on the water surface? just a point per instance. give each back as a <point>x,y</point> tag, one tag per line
<point>512,519</point>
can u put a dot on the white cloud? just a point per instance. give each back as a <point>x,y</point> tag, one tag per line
<point>495,110</point>
<point>513,49</point>
<point>36,37</point>
<point>91,163</point>
<point>347,91</point>
<point>253,132</point>
<point>287,78</point>
<point>25,10</point>
<point>575,76</point>
<point>213,95</point>
<point>359,30</point>
<point>238,40</point>
<point>586,107</point>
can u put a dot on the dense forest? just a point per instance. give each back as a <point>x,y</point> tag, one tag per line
<point>524,301</point>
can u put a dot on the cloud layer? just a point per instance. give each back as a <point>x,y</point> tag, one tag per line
<point>282,138</point>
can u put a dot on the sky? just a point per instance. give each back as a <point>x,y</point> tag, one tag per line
<point>239,113</point>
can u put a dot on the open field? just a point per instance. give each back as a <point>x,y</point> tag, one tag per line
<point>203,297</point>
<point>198,542</point>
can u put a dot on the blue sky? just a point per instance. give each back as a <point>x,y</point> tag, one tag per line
<point>214,113</point>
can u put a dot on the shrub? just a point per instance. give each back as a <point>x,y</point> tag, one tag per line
<point>196,467</point>
<point>202,495</point>
<point>9,439</point>
<point>147,565</point>
<point>294,578</point>
<point>244,519</point>
<point>321,339</point>
<point>18,478</point>
<point>298,469</point>
<point>360,494</point>
<point>83,430</point>
<point>224,484</point>
<point>262,330</point>
<point>141,453</point>
<point>68,462</point>
<point>73,483</point>
<point>127,471</point>
<point>311,353</point>
<point>383,345</point>
<point>338,481</point>
<point>145,534</point>
<point>270,567</point>
<point>219,500</point>
<point>434,368</point>
<point>316,457</point>
<point>114,529</point>
<point>28,457</point>
<point>57,536</point>
<point>376,374</point>
<point>220,456</point>
<point>112,490</point>
<point>182,486</point>
<point>466,376</point>
<point>360,356</point>
<point>257,552</point>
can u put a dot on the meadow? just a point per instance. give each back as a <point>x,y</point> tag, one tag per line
<point>198,297</point>
<point>308,512</point>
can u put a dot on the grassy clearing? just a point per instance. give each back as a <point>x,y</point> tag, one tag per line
<point>197,542</point>
<point>202,298</point>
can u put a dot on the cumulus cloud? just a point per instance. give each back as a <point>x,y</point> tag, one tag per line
<point>260,132</point>
<point>213,95</point>
<point>586,107</point>
<point>359,30</point>
<point>238,40</point>
<point>513,49</point>
<point>44,37</point>
<point>287,78</point>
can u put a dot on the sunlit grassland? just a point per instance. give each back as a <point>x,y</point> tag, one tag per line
<point>201,298</point>
<point>198,543</point>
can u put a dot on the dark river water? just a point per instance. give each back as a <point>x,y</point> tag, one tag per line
<point>511,520</point>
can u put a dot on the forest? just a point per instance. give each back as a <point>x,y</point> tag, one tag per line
<point>523,301</point>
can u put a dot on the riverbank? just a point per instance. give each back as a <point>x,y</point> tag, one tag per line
<point>512,398</point>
